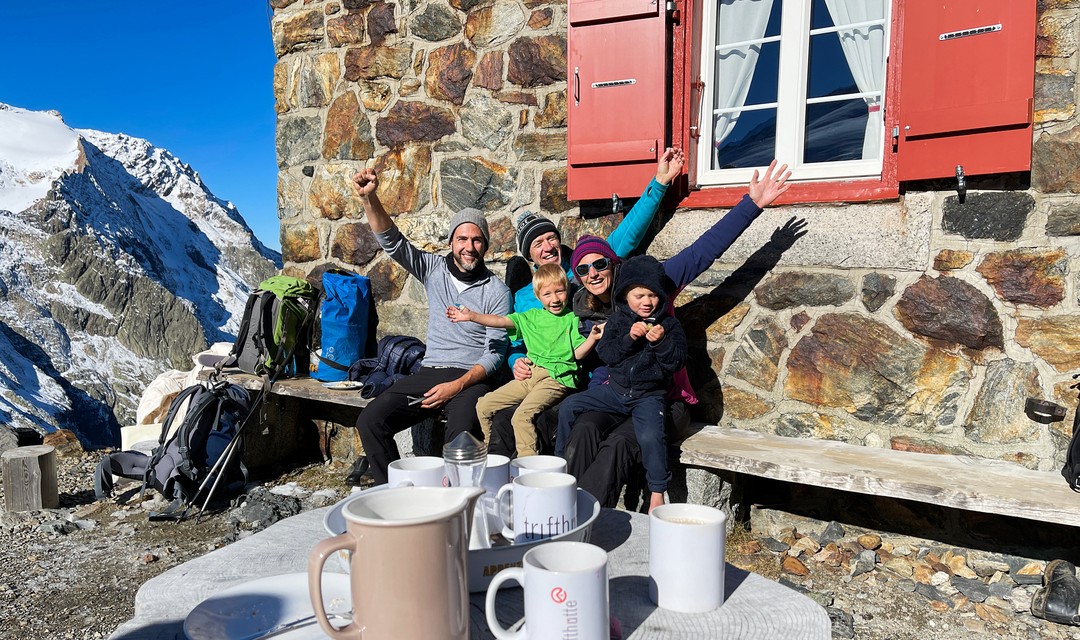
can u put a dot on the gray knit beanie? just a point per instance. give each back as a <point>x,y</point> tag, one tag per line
<point>475,216</point>
<point>529,227</point>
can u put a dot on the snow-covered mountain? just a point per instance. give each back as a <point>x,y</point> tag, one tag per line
<point>116,263</point>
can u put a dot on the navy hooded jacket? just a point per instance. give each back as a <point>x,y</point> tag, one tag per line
<point>637,367</point>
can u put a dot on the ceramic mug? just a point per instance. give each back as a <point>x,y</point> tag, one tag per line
<point>566,593</point>
<point>537,506</point>
<point>532,464</point>
<point>496,473</point>
<point>686,557</point>
<point>419,471</point>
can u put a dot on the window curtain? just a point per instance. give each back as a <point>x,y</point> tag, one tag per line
<point>737,21</point>
<point>864,49</point>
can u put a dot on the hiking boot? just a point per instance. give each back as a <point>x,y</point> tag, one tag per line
<point>358,471</point>
<point>1058,600</point>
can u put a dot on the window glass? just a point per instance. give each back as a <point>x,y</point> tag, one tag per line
<point>797,81</point>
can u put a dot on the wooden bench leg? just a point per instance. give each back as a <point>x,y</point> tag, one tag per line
<point>30,478</point>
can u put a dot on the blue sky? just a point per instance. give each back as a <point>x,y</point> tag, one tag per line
<point>195,78</point>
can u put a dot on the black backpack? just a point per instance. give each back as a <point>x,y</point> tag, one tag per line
<point>396,357</point>
<point>1071,470</point>
<point>182,466</point>
<point>274,338</point>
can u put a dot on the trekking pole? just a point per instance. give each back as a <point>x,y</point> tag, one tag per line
<point>230,449</point>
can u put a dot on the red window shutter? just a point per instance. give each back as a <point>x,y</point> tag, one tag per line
<point>617,96</point>
<point>965,98</point>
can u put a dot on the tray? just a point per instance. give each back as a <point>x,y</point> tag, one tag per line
<point>484,563</point>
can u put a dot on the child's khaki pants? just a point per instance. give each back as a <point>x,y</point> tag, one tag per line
<point>534,394</point>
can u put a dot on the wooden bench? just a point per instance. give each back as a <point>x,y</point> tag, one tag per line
<point>303,400</point>
<point>961,482</point>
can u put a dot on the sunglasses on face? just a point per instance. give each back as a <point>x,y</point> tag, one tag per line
<point>599,265</point>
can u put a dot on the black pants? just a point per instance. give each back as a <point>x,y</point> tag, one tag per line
<point>604,455</point>
<point>390,413</point>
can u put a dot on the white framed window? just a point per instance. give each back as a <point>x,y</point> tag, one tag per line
<point>802,81</point>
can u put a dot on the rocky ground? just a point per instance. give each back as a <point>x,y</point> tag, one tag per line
<point>73,572</point>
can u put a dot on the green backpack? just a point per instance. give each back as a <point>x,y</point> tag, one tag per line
<point>274,338</point>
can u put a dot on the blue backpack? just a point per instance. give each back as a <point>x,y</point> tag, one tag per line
<point>346,323</point>
<point>397,357</point>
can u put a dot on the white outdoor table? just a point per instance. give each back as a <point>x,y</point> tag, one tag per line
<point>754,606</point>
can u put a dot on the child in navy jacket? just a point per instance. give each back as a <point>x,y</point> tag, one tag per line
<point>643,346</point>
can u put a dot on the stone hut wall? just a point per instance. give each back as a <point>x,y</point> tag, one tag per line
<point>921,323</point>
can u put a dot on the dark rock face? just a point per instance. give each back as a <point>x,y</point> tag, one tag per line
<point>1064,220</point>
<point>413,122</point>
<point>992,215</point>
<point>868,370</point>
<point>951,310</point>
<point>435,23</point>
<point>998,414</point>
<point>449,72</point>
<point>298,140</point>
<point>475,182</point>
<point>1027,276</point>
<point>553,191</point>
<point>348,132</point>
<point>1055,162</point>
<point>355,244</point>
<point>797,289</point>
<point>757,359</point>
<point>877,288</point>
<point>537,61</point>
<point>118,284</point>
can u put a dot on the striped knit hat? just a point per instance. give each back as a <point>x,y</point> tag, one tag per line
<point>530,226</point>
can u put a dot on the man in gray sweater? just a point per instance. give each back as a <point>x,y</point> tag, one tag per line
<point>460,358</point>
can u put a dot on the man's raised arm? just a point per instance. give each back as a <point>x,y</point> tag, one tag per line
<point>366,181</point>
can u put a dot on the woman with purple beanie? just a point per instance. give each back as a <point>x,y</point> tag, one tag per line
<point>603,452</point>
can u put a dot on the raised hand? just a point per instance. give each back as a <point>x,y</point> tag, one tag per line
<point>655,334</point>
<point>597,331</point>
<point>670,165</point>
<point>365,182</point>
<point>771,186</point>
<point>638,329</point>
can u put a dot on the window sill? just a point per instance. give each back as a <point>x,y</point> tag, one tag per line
<point>799,193</point>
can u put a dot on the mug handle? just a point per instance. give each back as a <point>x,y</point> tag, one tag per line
<point>504,507</point>
<point>516,574</point>
<point>316,560</point>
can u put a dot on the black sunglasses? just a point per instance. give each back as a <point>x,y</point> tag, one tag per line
<point>599,264</point>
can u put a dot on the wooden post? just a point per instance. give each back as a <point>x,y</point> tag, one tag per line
<point>30,478</point>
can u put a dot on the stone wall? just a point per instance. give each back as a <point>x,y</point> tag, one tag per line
<point>921,324</point>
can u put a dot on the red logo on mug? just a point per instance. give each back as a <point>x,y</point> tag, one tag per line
<point>558,596</point>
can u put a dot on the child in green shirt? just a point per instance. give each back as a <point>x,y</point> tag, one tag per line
<point>552,342</point>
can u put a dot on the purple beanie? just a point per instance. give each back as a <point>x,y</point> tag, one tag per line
<point>591,244</point>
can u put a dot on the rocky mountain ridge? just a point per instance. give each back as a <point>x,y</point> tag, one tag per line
<point>116,264</point>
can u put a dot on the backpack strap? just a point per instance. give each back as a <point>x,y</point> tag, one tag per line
<point>1071,470</point>
<point>336,365</point>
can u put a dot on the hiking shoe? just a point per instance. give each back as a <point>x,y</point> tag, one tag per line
<point>358,471</point>
<point>1058,600</point>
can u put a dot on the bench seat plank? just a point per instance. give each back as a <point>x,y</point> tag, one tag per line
<point>303,388</point>
<point>962,482</point>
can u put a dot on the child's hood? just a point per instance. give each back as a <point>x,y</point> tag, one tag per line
<point>641,271</point>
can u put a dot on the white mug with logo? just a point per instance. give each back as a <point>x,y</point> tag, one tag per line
<point>686,557</point>
<point>532,464</point>
<point>566,593</point>
<point>541,505</point>
<point>419,471</point>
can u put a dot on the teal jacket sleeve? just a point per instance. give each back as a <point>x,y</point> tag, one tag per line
<point>628,235</point>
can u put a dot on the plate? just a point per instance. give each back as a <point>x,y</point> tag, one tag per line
<point>483,563</point>
<point>343,385</point>
<point>250,609</point>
